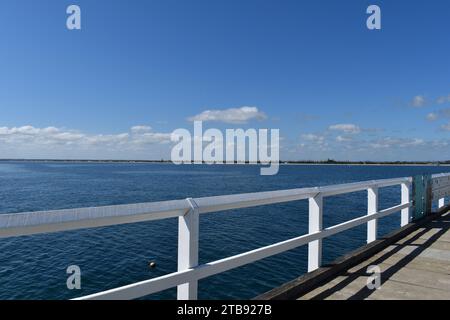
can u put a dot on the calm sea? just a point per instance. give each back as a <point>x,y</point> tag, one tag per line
<point>34,267</point>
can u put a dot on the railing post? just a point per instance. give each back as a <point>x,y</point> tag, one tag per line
<point>441,203</point>
<point>315,225</point>
<point>372,208</point>
<point>188,228</point>
<point>406,198</point>
<point>422,196</point>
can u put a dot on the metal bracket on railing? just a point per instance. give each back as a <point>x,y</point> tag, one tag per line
<point>421,195</point>
<point>316,194</point>
<point>193,206</point>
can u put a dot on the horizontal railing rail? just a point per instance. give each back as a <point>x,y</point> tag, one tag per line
<point>28,223</point>
<point>147,287</point>
<point>440,186</point>
<point>188,212</point>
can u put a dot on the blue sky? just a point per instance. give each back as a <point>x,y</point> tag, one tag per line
<point>309,68</point>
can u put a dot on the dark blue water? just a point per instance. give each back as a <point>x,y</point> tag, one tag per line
<point>34,267</point>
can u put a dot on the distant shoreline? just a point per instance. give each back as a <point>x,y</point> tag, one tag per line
<point>299,163</point>
<point>411,164</point>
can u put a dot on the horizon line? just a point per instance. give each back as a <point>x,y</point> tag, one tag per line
<point>328,161</point>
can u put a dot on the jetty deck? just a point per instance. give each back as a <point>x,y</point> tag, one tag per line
<point>415,267</point>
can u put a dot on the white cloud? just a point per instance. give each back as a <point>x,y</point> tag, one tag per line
<point>446,127</point>
<point>343,139</point>
<point>343,144</point>
<point>232,115</point>
<point>140,129</point>
<point>432,116</point>
<point>443,99</point>
<point>390,142</point>
<point>312,137</point>
<point>345,127</point>
<point>29,136</point>
<point>413,142</point>
<point>443,113</point>
<point>418,101</point>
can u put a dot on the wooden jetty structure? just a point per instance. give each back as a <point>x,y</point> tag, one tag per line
<point>415,255</point>
<point>412,264</point>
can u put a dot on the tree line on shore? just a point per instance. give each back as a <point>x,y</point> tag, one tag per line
<point>328,161</point>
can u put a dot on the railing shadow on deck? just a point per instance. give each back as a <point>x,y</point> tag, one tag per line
<point>442,223</point>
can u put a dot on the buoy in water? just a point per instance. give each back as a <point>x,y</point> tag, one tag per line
<point>152,264</point>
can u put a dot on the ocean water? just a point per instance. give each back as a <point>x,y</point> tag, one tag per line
<point>34,267</point>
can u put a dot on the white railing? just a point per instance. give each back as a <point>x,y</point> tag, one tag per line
<point>440,186</point>
<point>188,212</point>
